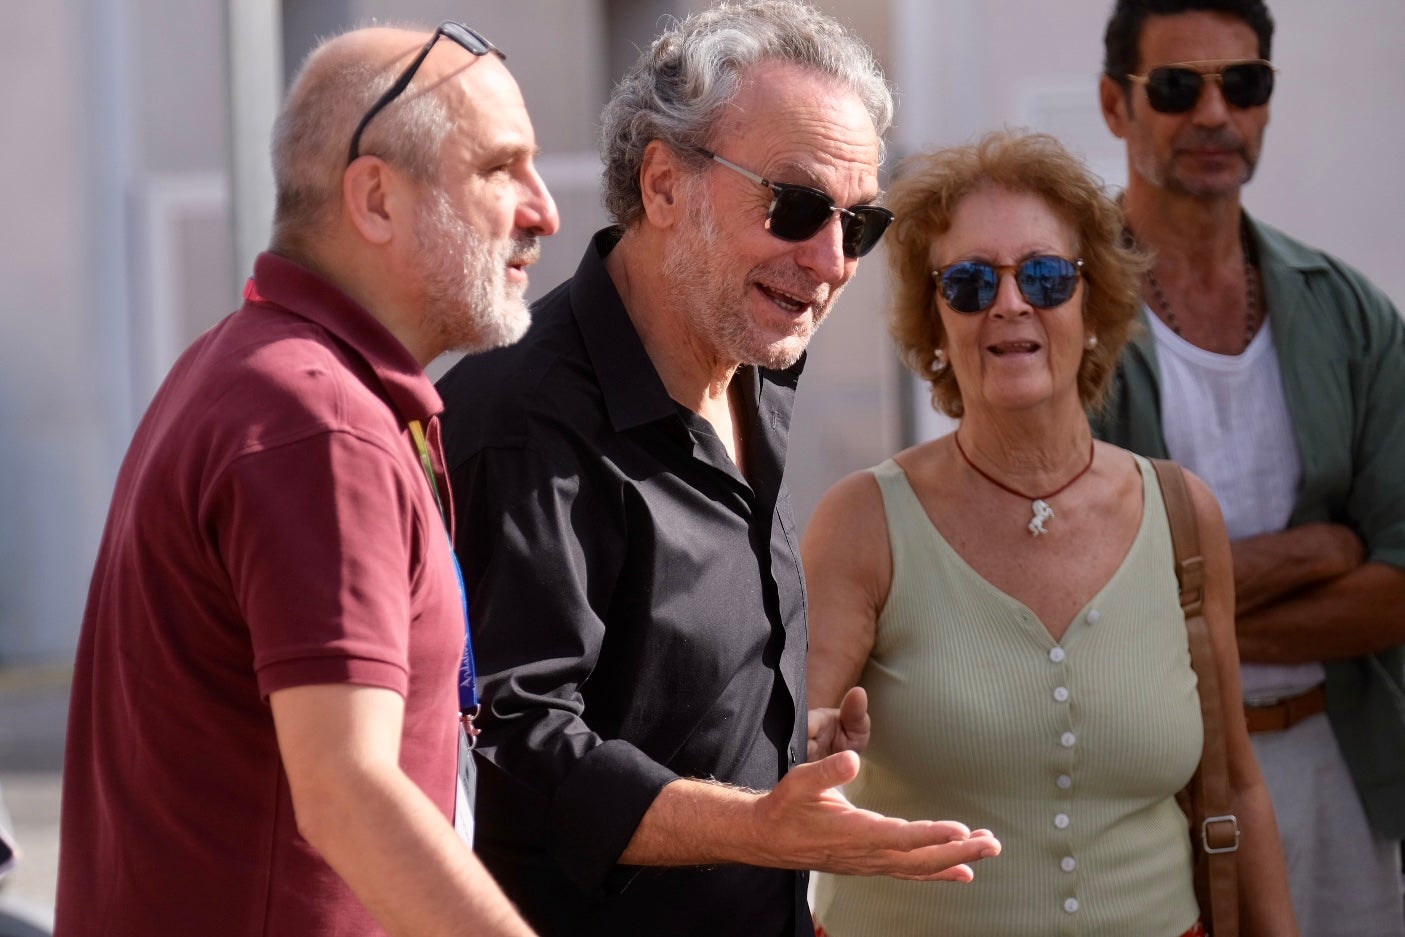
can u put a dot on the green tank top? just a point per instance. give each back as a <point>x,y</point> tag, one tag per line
<point>1071,752</point>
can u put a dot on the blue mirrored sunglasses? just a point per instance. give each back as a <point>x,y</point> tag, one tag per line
<point>1044,281</point>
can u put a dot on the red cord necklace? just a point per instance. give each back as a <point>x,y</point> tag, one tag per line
<point>1039,504</point>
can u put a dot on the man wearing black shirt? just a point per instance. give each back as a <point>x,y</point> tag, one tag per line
<point>636,593</point>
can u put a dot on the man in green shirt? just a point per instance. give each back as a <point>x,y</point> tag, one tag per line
<point>1276,373</point>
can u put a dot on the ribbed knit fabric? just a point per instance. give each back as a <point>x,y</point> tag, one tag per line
<point>1071,752</point>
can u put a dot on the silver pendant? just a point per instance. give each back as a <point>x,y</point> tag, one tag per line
<point>1042,512</point>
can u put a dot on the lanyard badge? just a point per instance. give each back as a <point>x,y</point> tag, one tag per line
<point>468,676</point>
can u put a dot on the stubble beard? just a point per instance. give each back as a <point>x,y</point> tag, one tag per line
<point>695,265</point>
<point>1171,177</point>
<point>470,306</point>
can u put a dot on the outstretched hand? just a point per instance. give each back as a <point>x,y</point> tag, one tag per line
<point>806,824</point>
<point>845,728</point>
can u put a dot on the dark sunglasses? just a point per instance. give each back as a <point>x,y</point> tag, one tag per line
<point>798,212</point>
<point>1175,89</point>
<point>1045,281</point>
<point>464,36</point>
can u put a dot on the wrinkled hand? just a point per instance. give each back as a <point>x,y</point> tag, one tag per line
<point>843,729</point>
<point>806,824</point>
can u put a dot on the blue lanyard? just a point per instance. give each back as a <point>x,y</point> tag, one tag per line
<point>468,675</point>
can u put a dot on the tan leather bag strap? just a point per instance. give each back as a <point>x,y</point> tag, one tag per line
<point>1214,828</point>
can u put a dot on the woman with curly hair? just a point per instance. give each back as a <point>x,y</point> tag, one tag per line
<point>1006,595</point>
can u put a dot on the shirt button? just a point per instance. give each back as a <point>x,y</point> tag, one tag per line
<point>1064,782</point>
<point>1056,654</point>
<point>1061,820</point>
<point>1093,616</point>
<point>1070,905</point>
<point>1061,694</point>
<point>1067,740</point>
<point>1068,863</point>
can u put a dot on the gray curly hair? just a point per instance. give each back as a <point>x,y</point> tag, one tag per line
<point>689,75</point>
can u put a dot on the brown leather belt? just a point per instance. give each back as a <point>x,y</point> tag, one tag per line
<point>1285,713</point>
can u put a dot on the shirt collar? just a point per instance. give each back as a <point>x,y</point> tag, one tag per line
<point>278,281</point>
<point>1276,250</point>
<point>633,391</point>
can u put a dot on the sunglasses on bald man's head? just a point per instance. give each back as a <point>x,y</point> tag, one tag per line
<point>470,39</point>
<point>1045,281</point>
<point>1175,89</point>
<point>798,212</point>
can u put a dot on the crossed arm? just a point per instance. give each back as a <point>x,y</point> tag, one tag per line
<point>1307,594</point>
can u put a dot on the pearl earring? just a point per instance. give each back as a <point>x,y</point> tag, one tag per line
<point>1092,342</point>
<point>938,360</point>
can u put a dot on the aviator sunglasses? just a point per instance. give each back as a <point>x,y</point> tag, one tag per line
<point>1175,89</point>
<point>798,212</point>
<point>1044,281</point>
<point>471,41</point>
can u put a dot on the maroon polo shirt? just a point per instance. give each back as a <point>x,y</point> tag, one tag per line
<point>271,527</point>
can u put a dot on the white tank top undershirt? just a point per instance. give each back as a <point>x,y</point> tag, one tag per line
<point>1225,418</point>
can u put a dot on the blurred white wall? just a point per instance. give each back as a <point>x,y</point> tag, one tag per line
<point>114,151</point>
<point>119,147</point>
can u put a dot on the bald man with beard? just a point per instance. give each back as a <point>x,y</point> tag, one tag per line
<point>262,734</point>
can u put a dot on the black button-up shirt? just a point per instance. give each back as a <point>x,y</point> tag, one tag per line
<point>638,613</point>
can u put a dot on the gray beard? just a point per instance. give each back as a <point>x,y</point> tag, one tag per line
<point>714,308</point>
<point>469,305</point>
